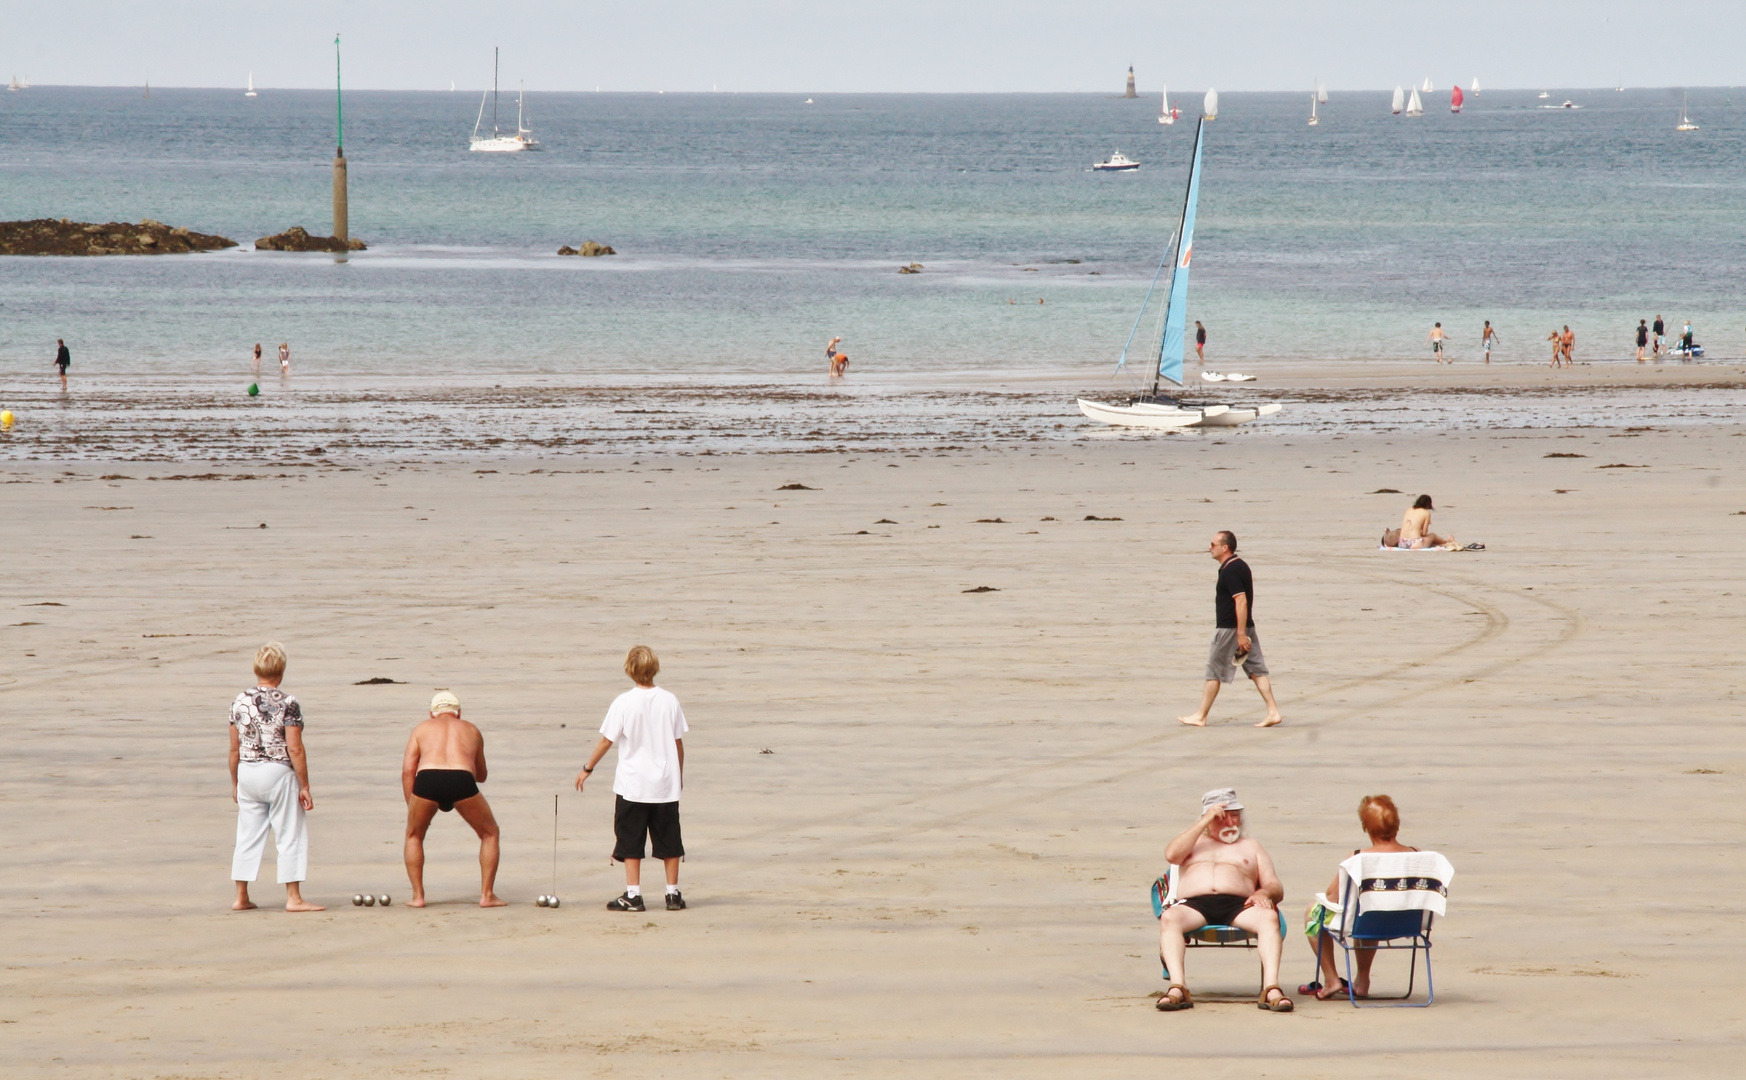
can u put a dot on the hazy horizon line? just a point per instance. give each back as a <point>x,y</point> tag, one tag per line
<point>1141,92</point>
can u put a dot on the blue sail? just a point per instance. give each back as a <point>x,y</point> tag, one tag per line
<point>1170,347</point>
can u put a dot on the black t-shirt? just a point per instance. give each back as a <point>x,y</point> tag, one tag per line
<point>1642,334</point>
<point>1234,578</point>
<point>1200,335</point>
<point>1659,329</point>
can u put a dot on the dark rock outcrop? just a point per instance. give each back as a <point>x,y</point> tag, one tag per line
<point>589,248</point>
<point>297,238</point>
<point>49,236</point>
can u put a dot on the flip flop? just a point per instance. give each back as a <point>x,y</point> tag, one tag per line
<point>1341,991</point>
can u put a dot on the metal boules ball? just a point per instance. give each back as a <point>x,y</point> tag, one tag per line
<point>541,901</point>
<point>358,900</point>
<point>551,901</point>
<point>384,899</point>
<point>369,901</point>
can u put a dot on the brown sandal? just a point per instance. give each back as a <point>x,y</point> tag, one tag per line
<point>1186,1001</point>
<point>1283,1004</point>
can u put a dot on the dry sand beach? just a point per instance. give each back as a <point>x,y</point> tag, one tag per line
<point>922,820</point>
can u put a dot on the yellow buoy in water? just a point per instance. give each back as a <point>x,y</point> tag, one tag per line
<point>6,420</point>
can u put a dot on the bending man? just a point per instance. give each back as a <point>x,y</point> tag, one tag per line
<point>444,765</point>
<point>1223,878</point>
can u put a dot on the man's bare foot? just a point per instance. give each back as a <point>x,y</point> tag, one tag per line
<point>1271,720</point>
<point>417,901</point>
<point>301,905</point>
<point>1192,721</point>
<point>243,905</point>
<point>490,900</point>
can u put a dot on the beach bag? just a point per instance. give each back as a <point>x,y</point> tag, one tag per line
<point>1390,537</point>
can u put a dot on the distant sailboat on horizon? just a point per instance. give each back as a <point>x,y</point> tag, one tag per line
<point>1475,88</point>
<point>1399,101</point>
<point>251,90</point>
<point>1685,123</point>
<point>1455,99</point>
<point>1321,92</point>
<point>1314,120</point>
<point>1427,87</point>
<point>1414,108</point>
<point>1166,115</point>
<point>500,143</point>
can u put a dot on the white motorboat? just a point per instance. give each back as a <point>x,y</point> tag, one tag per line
<point>497,142</point>
<point>1563,105</point>
<point>1117,162</point>
<point>1153,409</point>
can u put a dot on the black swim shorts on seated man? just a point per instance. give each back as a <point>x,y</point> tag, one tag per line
<point>445,787</point>
<point>1216,908</point>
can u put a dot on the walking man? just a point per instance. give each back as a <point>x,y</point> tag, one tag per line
<point>1488,339</point>
<point>1569,343</point>
<point>1660,329</point>
<point>62,359</point>
<point>1200,342</point>
<point>1642,338</point>
<point>442,770</point>
<point>1436,339</point>
<point>1234,640</point>
<point>649,727</point>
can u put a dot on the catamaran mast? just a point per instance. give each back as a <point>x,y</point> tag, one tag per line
<point>1175,307</point>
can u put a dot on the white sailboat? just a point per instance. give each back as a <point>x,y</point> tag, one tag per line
<point>1475,88</point>
<point>497,142</point>
<point>251,91</point>
<point>1321,92</point>
<point>1399,100</point>
<point>1166,115</point>
<point>1685,123</point>
<point>14,86</point>
<point>1427,87</point>
<point>1155,410</point>
<point>1313,120</point>
<point>1414,108</point>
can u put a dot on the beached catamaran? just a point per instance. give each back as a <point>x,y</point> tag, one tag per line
<point>1155,409</point>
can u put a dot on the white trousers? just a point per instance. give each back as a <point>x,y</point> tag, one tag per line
<point>266,794</point>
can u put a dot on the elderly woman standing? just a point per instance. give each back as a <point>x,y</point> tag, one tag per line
<point>269,775</point>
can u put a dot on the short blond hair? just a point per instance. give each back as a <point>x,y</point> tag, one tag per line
<point>642,665</point>
<point>270,661</point>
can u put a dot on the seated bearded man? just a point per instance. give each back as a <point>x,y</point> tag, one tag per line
<point>1223,878</point>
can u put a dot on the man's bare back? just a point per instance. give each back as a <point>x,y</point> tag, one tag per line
<point>445,741</point>
<point>443,766</point>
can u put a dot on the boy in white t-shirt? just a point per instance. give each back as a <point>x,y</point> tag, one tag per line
<point>647,724</point>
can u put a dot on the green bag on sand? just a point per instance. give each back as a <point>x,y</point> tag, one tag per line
<point>254,389</point>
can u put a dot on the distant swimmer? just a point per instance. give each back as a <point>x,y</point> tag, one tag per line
<point>257,361</point>
<point>284,358</point>
<point>1488,339</point>
<point>1435,337</point>
<point>839,360</point>
<point>1660,330</point>
<point>1642,338</point>
<point>62,359</point>
<point>1200,342</point>
<point>442,770</point>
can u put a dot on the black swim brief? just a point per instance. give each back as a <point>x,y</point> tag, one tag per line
<point>445,787</point>
<point>1218,910</point>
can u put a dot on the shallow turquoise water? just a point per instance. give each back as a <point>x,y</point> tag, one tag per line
<point>753,228</point>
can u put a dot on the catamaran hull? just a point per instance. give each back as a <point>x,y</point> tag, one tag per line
<point>1233,417</point>
<point>1143,416</point>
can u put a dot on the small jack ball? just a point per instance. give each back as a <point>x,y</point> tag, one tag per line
<point>369,901</point>
<point>551,901</point>
<point>358,900</point>
<point>384,899</point>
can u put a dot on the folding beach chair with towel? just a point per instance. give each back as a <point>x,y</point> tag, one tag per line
<point>1388,901</point>
<point>1212,935</point>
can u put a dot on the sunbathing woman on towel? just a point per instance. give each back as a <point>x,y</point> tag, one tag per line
<point>1415,529</point>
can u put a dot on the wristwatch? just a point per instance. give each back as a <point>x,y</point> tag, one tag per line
<point>587,768</point>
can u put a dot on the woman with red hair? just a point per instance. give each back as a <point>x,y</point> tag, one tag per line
<point>1381,821</point>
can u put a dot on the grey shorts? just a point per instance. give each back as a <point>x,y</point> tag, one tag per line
<point>1221,663</point>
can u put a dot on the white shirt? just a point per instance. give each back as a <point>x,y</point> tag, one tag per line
<point>645,725</point>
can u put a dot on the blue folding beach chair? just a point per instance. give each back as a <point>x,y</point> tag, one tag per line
<point>1212,935</point>
<point>1388,900</point>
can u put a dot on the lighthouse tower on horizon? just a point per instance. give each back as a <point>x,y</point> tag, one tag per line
<point>1130,92</point>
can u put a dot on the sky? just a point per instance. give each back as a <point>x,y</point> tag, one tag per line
<point>884,46</point>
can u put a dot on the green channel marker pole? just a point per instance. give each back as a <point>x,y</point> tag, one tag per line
<point>341,226</point>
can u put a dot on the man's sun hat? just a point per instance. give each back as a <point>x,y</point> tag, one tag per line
<point>445,702</point>
<point>1226,795</point>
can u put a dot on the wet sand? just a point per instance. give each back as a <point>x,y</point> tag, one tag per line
<point>939,867</point>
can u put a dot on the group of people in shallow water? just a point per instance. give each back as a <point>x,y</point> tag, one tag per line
<point>1224,877</point>
<point>1653,341</point>
<point>284,358</point>
<point>442,769</point>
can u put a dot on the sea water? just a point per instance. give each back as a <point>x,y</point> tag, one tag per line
<point>751,229</point>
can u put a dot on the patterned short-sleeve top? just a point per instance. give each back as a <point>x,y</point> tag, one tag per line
<point>261,714</point>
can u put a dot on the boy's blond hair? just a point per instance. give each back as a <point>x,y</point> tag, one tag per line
<point>642,665</point>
